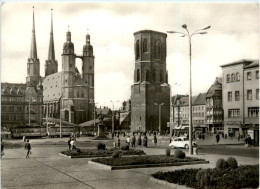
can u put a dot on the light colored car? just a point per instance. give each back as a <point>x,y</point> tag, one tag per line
<point>181,142</point>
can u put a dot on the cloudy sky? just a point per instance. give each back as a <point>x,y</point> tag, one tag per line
<point>233,35</point>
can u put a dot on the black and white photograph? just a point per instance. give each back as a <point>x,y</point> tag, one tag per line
<point>129,94</point>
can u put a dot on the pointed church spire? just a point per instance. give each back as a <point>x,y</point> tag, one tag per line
<point>51,55</point>
<point>33,54</point>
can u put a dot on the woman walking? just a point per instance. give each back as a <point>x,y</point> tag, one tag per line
<point>28,148</point>
<point>155,139</point>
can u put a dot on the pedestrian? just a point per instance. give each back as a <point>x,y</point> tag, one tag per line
<point>139,140</point>
<point>118,141</point>
<point>145,140</point>
<point>154,139</point>
<point>238,138</point>
<point>249,140</point>
<point>69,143</point>
<point>2,148</point>
<point>203,137</point>
<point>217,138</point>
<point>133,141</point>
<point>28,148</point>
<point>72,144</point>
<point>128,140</point>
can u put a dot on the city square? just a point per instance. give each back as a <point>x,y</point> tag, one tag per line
<point>172,104</point>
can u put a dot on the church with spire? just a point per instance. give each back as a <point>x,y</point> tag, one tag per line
<point>67,95</point>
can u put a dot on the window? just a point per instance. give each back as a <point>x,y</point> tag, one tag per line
<point>233,77</point>
<point>237,96</point>
<point>137,50</point>
<point>233,112</point>
<point>138,75</point>
<point>257,94</point>
<point>145,45</point>
<point>228,78</point>
<point>257,74</point>
<point>249,94</point>
<point>147,75</point>
<point>253,111</point>
<point>249,75</point>
<point>229,96</point>
<point>157,49</point>
<point>237,76</point>
<point>161,76</point>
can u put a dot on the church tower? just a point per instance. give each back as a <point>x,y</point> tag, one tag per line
<point>51,65</point>
<point>88,73</point>
<point>67,80</point>
<point>34,90</point>
<point>33,63</point>
<point>150,88</point>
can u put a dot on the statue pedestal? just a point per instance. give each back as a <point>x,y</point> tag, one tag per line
<point>101,133</point>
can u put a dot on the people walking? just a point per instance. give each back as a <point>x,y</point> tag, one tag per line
<point>2,148</point>
<point>72,144</point>
<point>133,141</point>
<point>139,140</point>
<point>203,137</point>
<point>28,148</point>
<point>118,141</point>
<point>154,139</point>
<point>145,141</point>
<point>69,143</point>
<point>217,138</point>
<point>128,140</point>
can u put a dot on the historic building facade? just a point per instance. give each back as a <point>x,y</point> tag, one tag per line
<point>240,94</point>
<point>214,109</point>
<point>199,113</point>
<point>150,93</point>
<point>67,94</point>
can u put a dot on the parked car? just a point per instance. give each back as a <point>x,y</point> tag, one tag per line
<point>181,142</point>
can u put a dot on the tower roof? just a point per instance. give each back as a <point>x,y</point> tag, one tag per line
<point>33,54</point>
<point>51,55</point>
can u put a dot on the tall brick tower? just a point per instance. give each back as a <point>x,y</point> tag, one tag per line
<point>150,82</point>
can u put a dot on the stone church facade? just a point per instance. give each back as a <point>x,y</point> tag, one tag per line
<point>67,94</point>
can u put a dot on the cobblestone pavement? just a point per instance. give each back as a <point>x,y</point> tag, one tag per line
<point>46,169</point>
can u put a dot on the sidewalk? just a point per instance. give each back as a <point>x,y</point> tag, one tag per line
<point>46,169</point>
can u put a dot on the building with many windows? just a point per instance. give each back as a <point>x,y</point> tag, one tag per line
<point>12,105</point>
<point>240,94</point>
<point>199,113</point>
<point>214,110</point>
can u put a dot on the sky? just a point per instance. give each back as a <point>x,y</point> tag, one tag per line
<point>234,35</point>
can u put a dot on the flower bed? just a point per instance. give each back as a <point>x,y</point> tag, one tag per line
<point>96,152</point>
<point>245,176</point>
<point>141,160</point>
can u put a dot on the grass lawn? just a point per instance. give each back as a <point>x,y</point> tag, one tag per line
<point>140,160</point>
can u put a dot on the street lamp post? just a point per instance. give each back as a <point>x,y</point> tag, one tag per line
<point>159,115</point>
<point>113,117</point>
<point>30,100</point>
<point>200,31</point>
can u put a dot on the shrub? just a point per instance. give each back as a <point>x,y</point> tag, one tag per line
<point>126,147</point>
<point>78,150</point>
<point>101,146</point>
<point>179,154</point>
<point>167,151</point>
<point>116,154</point>
<point>221,164</point>
<point>232,163</point>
